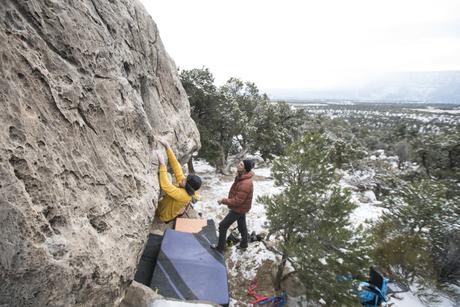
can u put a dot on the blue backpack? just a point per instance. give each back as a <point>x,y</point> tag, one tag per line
<point>374,292</point>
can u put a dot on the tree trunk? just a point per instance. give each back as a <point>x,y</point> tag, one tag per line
<point>221,162</point>
<point>191,169</point>
<point>279,273</point>
<point>425,164</point>
<point>451,159</point>
<point>232,160</point>
<point>423,157</point>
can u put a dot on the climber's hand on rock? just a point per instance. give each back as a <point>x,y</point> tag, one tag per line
<point>164,143</point>
<point>220,201</point>
<point>161,159</point>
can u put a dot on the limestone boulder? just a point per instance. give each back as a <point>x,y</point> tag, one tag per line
<point>86,89</point>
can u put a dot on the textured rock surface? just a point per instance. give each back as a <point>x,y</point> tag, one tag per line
<point>138,295</point>
<point>86,87</point>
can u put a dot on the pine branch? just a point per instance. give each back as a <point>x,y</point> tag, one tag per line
<point>275,251</point>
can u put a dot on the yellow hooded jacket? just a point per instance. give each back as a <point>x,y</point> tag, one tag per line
<point>176,198</point>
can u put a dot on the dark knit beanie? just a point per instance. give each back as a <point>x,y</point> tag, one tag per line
<point>193,184</point>
<point>248,164</point>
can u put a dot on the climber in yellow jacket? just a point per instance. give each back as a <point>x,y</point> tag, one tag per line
<point>179,195</point>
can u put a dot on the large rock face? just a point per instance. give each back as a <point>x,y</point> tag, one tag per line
<point>86,87</point>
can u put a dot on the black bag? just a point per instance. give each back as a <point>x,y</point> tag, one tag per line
<point>255,237</point>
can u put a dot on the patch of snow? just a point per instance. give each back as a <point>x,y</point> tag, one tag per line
<point>380,153</point>
<point>315,105</point>
<point>408,299</point>
<point>433,110</point>
<point>263,172</point>
<point>343,103</point>
<point>368,206</point>
<point>249,261</point>
<point>365,211</point>
<point>394,164</point>
<point>369,196</point>
<point>202,166</point>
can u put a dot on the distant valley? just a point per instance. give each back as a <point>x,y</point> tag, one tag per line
<point>424,87</point>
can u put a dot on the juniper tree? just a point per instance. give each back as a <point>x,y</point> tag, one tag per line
<point>236,119</point>
<point>277,125</point>
<point>414,237</point>
<point>311,218</point>
<point>204,105</point>
<point>244,103</point>
<point>439,154</point>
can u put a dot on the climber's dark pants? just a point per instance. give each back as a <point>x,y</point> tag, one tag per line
<point>226,223</point>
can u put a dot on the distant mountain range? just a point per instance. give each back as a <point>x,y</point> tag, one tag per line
<point>432,87</point>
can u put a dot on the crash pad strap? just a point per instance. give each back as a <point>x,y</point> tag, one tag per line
<point>277,300</point>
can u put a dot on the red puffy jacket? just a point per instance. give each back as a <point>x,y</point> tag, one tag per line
<point>240,195</point>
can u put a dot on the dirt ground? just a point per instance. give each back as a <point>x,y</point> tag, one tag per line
<point>239,285</point>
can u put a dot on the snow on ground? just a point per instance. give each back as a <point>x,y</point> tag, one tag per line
<point>433,110</point>
<point>314,105</point>
<point>368,206</point>
<point>263,172</point>
<point>447,116</point>
<point>250,260</point>
<point>216,186</point>
<point>408,299</point>
<point>365,212</point>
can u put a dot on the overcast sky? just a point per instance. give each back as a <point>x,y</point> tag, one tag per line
<point>309,44</point>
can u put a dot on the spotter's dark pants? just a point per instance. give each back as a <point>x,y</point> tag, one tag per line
<point>226,223</point>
